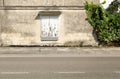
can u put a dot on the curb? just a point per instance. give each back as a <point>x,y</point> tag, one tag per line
<point>60,51</point>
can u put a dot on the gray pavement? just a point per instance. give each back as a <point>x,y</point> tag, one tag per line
<point>59,63</point>
<point>60,51</point>
<point>59,68</point>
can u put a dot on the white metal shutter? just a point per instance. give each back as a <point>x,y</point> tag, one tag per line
<point>49,28</point>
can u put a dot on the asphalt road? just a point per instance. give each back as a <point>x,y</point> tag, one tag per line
<point>59,67</point>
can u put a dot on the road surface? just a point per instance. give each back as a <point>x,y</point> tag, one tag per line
<point>59,67</point>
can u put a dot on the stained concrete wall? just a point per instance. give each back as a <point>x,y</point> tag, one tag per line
<point>20,22</point>
<point>1,2</point>
<point>1,22</point>
<point>47,2</point>
<point>21,27</point>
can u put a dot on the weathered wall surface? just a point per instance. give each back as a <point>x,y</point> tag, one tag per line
<point>21,27</point>
<point>1,2</point>
<point>77,29</point>
<point>1,22</point>
<point>20,22</point>
<point>47,2</point>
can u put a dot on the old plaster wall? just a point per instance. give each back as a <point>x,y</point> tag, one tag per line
<point>46,2</point>
<point>1,14</point>
<point>1,2</point>
<point>21,25</point>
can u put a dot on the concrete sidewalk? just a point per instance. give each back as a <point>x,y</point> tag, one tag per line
<point>60,51</point>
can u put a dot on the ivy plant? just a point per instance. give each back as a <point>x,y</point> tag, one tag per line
<point>106,24</point>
